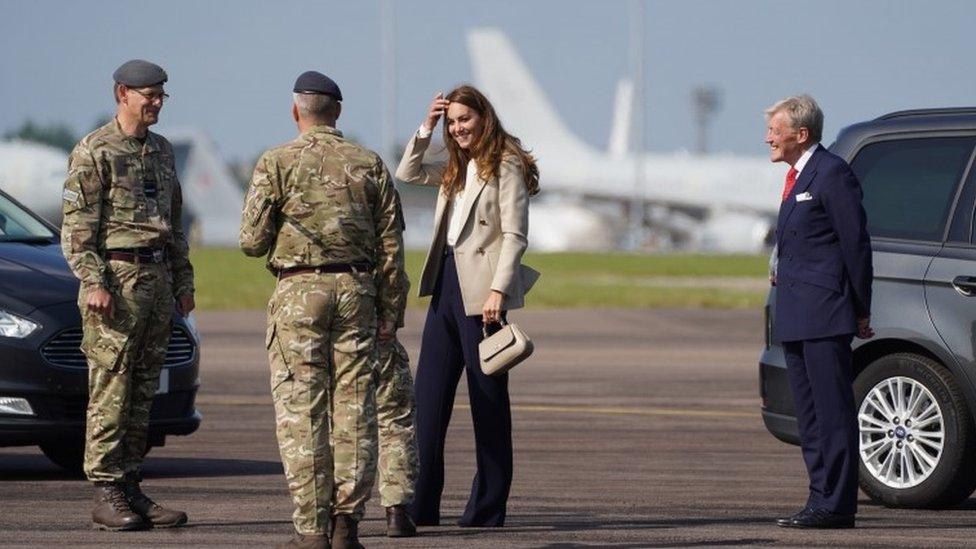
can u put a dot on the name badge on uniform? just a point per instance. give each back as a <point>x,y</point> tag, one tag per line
<point>70,196</point>
<point>803,197</point>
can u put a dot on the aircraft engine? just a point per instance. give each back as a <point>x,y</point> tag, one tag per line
<point>734,232</point>
<point>568,226</point>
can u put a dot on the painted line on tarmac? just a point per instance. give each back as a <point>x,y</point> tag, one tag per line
<point>627,411</point>
<point>258,400</point>
<point>623,410</point>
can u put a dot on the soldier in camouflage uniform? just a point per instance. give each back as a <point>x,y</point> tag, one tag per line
<point>123,238</point>
<point>395,411</point>
<point>324,211</point>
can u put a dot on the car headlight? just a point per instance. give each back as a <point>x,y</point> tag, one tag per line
<point>15,326</point>
<point>191,324</point>
<point>15,406</point>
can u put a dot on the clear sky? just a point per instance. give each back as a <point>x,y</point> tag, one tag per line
<point>232,62</point>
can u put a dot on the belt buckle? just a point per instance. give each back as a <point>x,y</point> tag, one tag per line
<point>157,256</point>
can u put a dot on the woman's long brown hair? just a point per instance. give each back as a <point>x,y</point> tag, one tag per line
<point>488,149</point>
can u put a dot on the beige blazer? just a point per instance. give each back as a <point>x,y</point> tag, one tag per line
<point>495,224</point>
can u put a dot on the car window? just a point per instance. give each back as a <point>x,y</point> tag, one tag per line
<point>909,184</point>
<point>17,224</point>
<point>962,215</point>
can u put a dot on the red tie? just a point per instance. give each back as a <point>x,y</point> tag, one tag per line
<point>790,181</point>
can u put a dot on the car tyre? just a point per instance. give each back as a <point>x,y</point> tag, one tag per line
<point>952,477</point>
<point>70,457</point>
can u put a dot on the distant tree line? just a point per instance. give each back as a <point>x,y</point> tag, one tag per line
<point>56,134</point>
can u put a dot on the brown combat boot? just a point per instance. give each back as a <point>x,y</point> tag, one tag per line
<point>306,541</point>
<point>112,511</point>
<point>346,533</point>
<point>398,523</point>
<point>155,514</point>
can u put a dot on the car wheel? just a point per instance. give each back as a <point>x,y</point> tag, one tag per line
<point>71,457</point>
<point>916,434</point>
<point>68,456</point>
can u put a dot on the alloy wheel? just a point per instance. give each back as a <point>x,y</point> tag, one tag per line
<point>902,432</point>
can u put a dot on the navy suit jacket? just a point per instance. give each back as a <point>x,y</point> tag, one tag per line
<point>824,271</point>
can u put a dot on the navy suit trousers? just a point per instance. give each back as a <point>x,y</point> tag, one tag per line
<point>821,376</point>
<point>450,346</point>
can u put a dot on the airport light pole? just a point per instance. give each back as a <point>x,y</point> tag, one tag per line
<point>707,101</point>
<point>635,237</point>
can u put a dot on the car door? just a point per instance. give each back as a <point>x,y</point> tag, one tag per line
<point>910,184</point>
<point>950,284</point>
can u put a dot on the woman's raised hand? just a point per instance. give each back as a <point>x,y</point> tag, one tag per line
<point>437,109</point>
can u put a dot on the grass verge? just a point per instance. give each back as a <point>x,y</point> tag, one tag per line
<point>227,280</point>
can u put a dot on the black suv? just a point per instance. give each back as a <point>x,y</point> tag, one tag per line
<point>916,379</point>
<point>43,374</point>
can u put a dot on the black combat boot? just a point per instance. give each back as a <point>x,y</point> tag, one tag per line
<point>153,513</point>
<point>306,541</point>
<point>112,510</point>
<point>398,523</point>
<point>346,533</point>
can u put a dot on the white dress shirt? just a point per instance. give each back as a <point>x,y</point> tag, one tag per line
<point>804,158</point>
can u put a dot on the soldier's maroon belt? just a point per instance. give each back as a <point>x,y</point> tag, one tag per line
<point>137,255</point>
<point>330,268</point>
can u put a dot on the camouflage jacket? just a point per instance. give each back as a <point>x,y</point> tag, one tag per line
<point>122,193</point>
<point>320,200</point>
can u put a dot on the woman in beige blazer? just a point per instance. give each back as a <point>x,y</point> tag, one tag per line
<point>474,273</point>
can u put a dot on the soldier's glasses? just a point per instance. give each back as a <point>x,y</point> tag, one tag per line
<point>152,96</point>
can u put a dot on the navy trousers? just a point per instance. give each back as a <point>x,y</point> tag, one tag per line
<point>821,376</point>
<point>450,346</point>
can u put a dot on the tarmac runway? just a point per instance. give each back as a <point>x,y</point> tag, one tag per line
<point>633,428</point>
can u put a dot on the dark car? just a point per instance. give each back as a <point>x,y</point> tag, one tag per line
<point>43,374</point>
<point>915,385</point>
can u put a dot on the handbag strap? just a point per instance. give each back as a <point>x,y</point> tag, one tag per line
<point>484,327</point>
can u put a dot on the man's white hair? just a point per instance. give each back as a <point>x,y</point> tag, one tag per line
<point>803,112</point>
<point>316,105</point>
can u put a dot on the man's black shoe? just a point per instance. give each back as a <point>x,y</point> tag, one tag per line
<point>822,519</point>
<point>786,522</point>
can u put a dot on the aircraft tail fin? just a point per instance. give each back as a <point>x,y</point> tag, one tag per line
<point>622,125</point>
<point>521,104</point>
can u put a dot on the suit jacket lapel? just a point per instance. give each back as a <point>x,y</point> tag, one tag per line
<point>440,210</point>
<point>470,199</point>
<point>805,179</point>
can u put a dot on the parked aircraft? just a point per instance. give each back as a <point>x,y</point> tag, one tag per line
<point>34,174</point>
<point>720,202</point>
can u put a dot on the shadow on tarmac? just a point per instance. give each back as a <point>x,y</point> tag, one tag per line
<point>36,467</point>
<point>32,467</point>
<point>748,542</point>
<point>578,522</point>
<point>208,467</point>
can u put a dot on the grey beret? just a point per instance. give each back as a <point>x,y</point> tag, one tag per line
<point>316,82</point>
<point>139,74</point>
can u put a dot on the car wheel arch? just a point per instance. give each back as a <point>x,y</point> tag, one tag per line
<point>872,350</point>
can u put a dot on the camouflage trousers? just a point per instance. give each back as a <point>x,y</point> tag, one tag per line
<point>321,335</point>
<point>395,412</point>
<point>125,355</point>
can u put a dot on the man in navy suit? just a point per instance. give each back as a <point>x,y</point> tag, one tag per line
<point>823,299</point>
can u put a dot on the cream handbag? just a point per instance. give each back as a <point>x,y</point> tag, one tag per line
<point>504,349</point>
